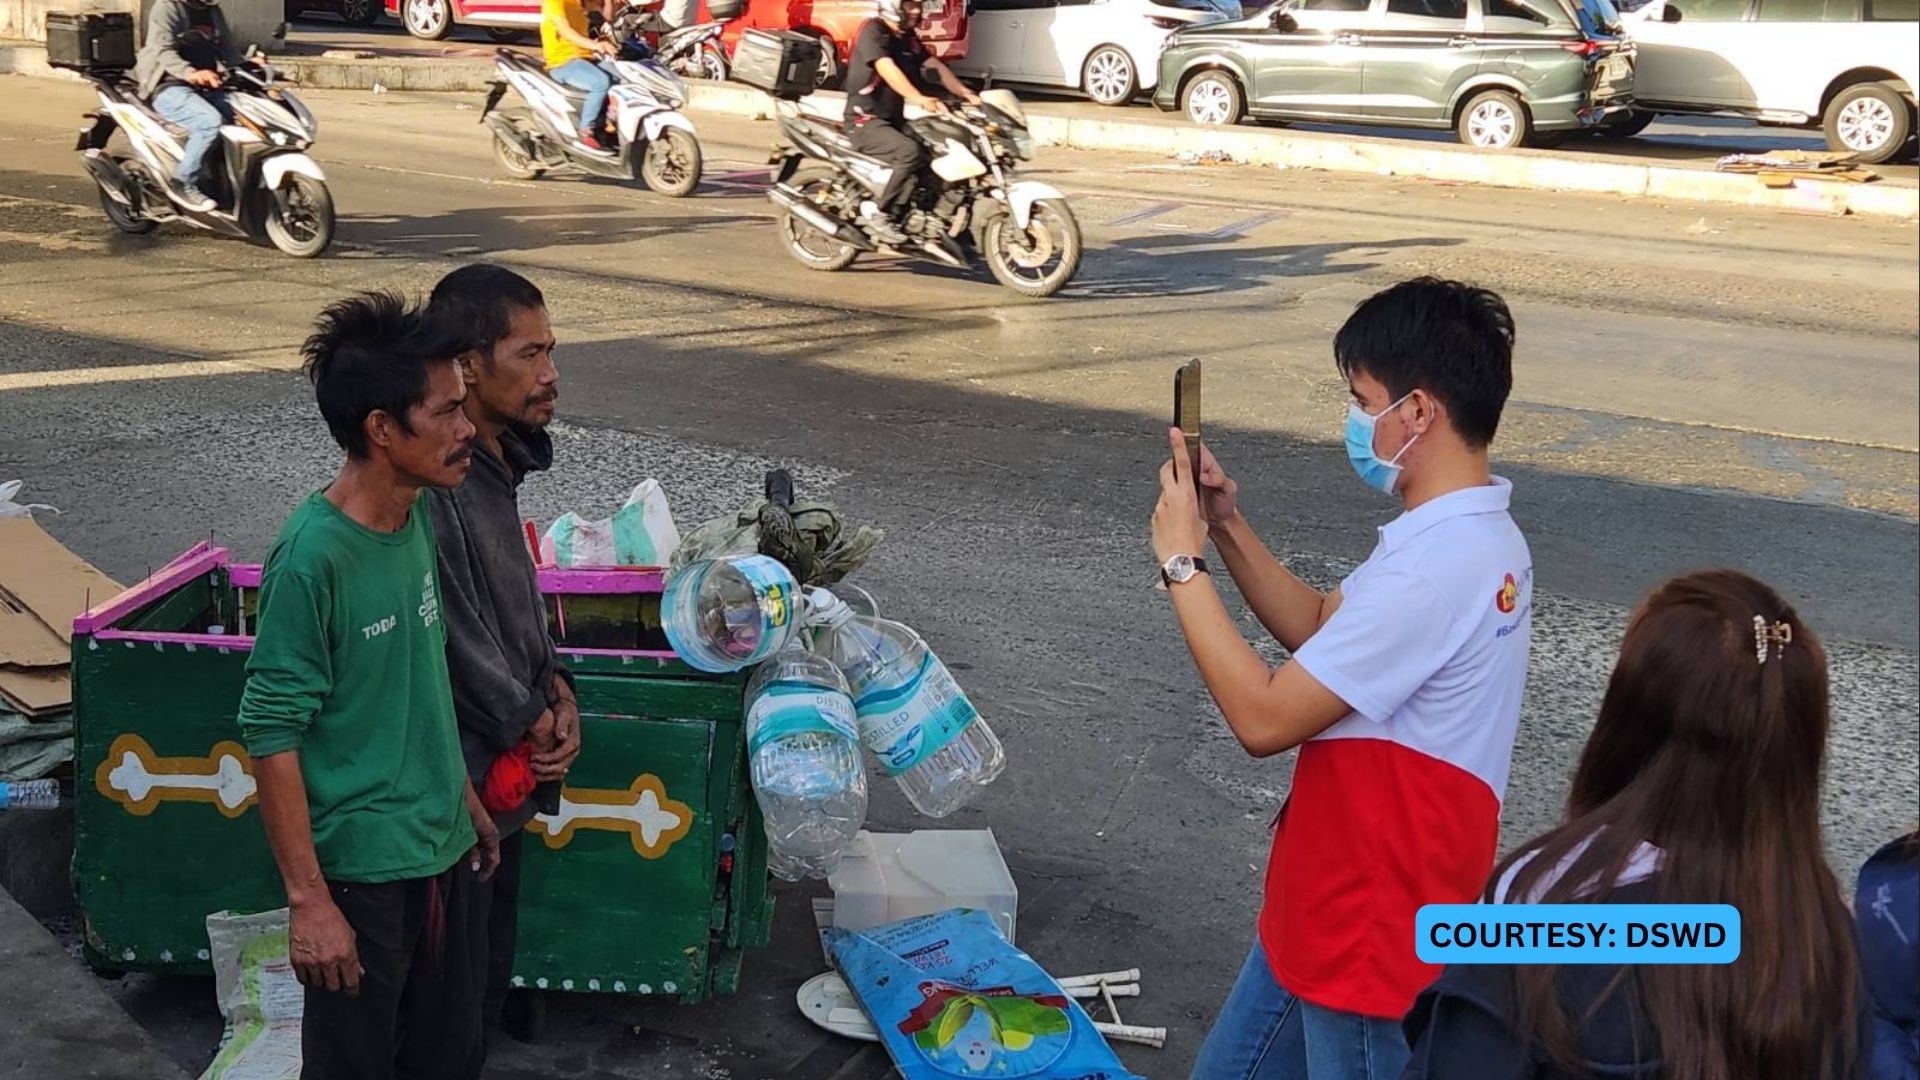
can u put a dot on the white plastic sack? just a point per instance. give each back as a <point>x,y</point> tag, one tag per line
<point>260,997</point>
<point>640,533</point>
<point>11,509</point>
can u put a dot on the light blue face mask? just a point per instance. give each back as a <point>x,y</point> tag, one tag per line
<point>1379,475</point>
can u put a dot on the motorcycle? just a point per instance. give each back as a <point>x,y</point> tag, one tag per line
<point>691,52</point>
<point>259,175</point>
<point>652,142</point>
<point>966,203</point>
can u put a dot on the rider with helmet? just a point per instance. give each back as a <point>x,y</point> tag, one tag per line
<point>886,72</point>
<point>178,70</point>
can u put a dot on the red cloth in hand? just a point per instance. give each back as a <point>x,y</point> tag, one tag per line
<point>510,779</point>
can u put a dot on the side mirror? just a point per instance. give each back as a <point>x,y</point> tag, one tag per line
<point>1669,14</point>
<point>1284,22</point>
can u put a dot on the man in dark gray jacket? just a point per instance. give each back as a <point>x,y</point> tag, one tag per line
<point>519,723</point>
<point>179,74</point>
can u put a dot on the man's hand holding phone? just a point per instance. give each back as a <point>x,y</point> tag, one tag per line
<point>1219,495</point>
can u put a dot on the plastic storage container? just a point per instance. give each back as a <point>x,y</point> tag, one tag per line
<point>781,62</point>
<point>726,10</point>
<point>803,747</point>
<point>886,877</point>
<point>725,615</point>
<point>90,41</point>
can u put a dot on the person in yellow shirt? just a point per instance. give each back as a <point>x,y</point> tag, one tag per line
<point>575,58</point>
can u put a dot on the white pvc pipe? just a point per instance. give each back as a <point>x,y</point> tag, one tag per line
<point>1117,978</point>
<point>1088,992</point>
<point>1146,1036</point>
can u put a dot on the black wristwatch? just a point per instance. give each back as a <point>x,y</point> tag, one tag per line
<point>1181,568</point>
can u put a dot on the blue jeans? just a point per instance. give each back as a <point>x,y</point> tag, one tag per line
<point>1265,1033</point>
<point>201,112</point>
<point>588,75</point>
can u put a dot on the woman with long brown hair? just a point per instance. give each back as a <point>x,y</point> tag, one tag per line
<point>1699,785</point>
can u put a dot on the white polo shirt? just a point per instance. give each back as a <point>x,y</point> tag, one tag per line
<point>1398,805</point>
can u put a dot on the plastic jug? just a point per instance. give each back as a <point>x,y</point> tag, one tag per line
<point>729,614</point>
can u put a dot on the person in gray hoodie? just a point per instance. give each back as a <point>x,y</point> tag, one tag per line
<point>178,70</point>
<point>513,699</point>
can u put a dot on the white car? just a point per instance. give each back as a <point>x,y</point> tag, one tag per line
<point>1849,66</point>
<point>1110,49</point>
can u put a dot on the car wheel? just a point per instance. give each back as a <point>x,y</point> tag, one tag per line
<point>429,20</point>
<point>1108,76</point>
<point>360,12</point>
<point>1871,121</point>
<point>1214,99</point>
<point>1494,120</point>
<point>830,74</point>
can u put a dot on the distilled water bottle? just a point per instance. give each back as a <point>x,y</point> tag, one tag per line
<point>803,744</point>
<point>914,718</point>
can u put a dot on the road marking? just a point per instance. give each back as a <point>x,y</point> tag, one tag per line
<point>1244,226</point>
<point>1153,211</point>
<point>749,179</point>
<point>118,373</point>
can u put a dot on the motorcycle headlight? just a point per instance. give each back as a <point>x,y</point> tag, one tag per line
<point>1023,145</point>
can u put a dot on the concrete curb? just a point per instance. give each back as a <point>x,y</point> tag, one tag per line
<point>1540,170</point>
<point>56,1021</point>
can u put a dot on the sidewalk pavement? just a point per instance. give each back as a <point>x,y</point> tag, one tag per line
<point>467,68</point>
<point>56,1021</point>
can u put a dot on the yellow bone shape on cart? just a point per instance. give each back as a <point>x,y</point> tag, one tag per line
<point>642,811</point>
<point>140,780</point>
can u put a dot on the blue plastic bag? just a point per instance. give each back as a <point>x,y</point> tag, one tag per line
<point>952,998</point>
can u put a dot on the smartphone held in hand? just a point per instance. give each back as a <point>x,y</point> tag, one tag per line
<point>1186,413</point>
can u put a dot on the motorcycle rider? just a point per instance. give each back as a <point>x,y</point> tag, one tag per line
<point>178,71</point>
<point>576,58</point>
<point>885,73</point>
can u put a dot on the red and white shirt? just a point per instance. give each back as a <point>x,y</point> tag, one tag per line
<point>1398,805</point>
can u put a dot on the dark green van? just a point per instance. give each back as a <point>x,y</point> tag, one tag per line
<point>1500,72</point>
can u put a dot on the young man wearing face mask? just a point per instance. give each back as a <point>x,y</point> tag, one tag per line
<point>1403,693</point>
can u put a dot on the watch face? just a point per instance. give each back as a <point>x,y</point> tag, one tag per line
<point>1180,568</point>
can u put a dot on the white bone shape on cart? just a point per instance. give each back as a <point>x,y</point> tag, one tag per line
<point>642,811</point>
<point>141,780</point>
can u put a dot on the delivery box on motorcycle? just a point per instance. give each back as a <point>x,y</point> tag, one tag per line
<point>90,41</point>
<point>781,62</point>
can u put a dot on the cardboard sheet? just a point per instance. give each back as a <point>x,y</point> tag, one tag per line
<point>42,587</point>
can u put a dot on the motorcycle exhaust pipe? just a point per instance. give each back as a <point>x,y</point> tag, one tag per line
<point>111,178</point>
<point>506,129</point>
<point>802,207</point>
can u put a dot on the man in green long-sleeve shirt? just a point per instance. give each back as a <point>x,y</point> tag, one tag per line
<point>380,839</point>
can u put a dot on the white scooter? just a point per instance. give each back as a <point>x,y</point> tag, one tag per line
<point>649,139</point>
<point>259,175</point>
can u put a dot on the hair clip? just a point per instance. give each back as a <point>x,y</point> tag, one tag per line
<point>1764,635</point>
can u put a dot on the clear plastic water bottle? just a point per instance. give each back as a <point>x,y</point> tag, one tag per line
<point>29,794</point>
<point>729,614</point>
<point>914,717</point>
<point>803,743</point>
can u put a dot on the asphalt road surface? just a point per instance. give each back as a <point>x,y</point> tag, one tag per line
<point>1696,386</point>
